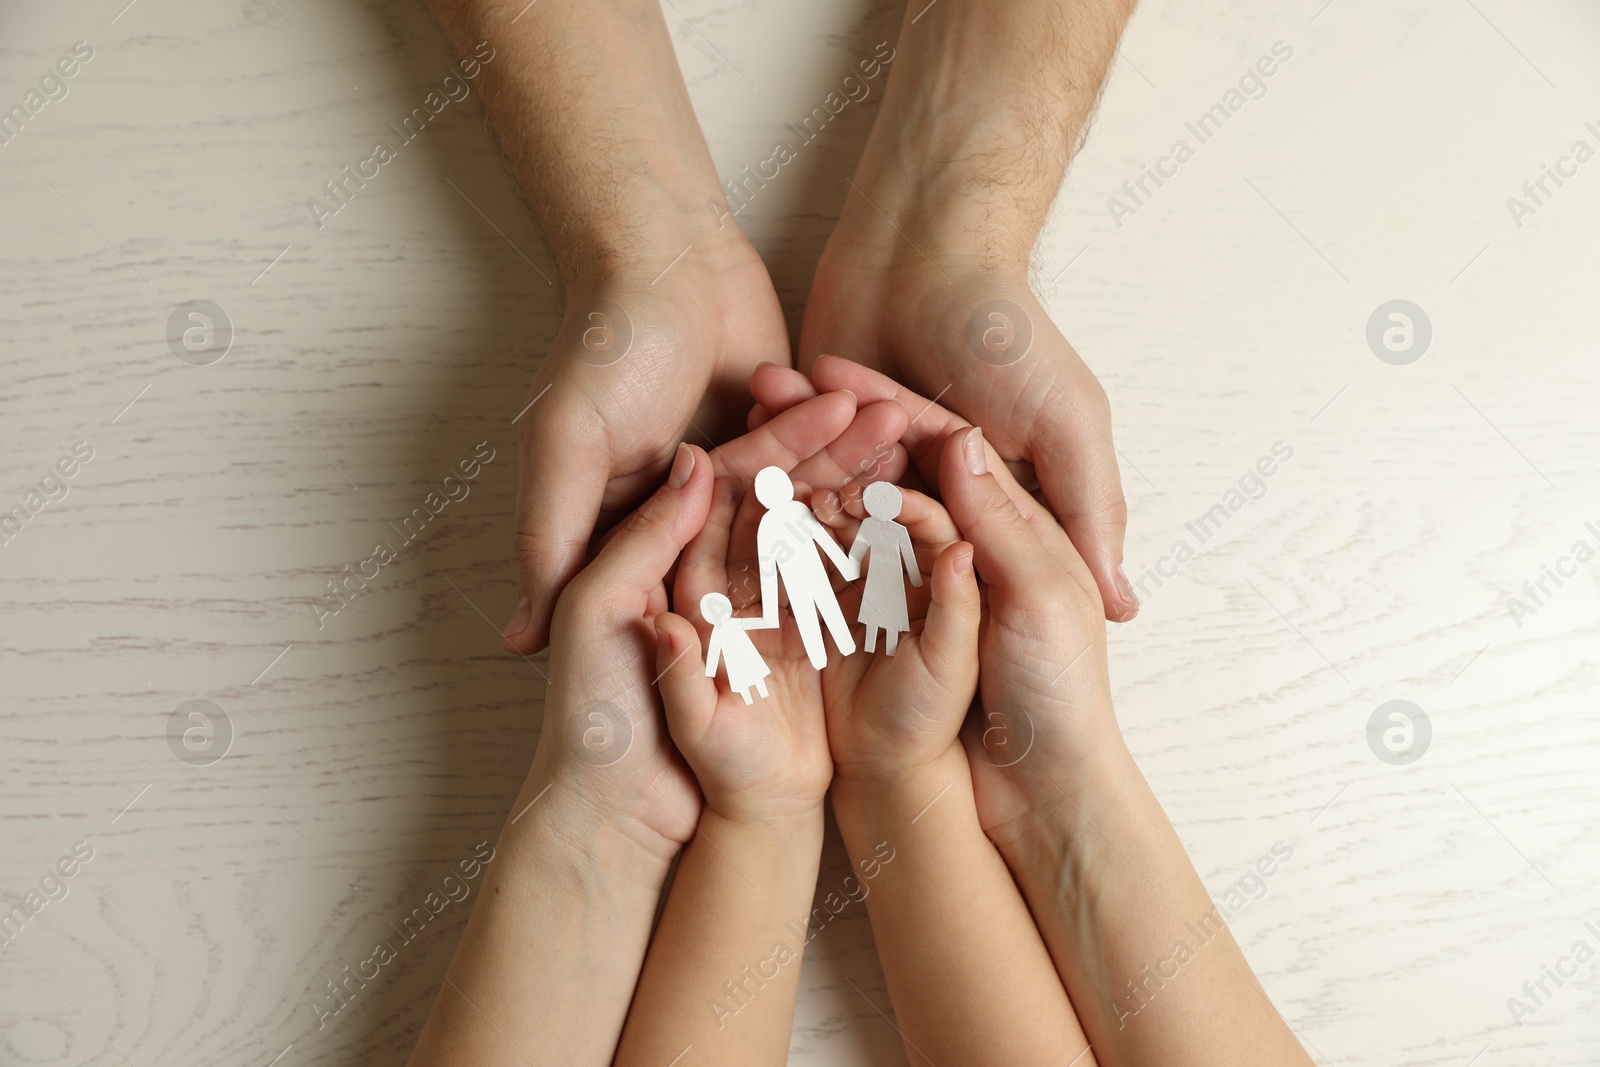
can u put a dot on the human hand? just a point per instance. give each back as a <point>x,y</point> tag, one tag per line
<point>925,276</point>
<point>1045,714</point>
<point>635,368</point>
<point>1027,731</point>
<point>759,762</point>
<point>988,346</point>
<point>890,716</point>
<point>603,732</point>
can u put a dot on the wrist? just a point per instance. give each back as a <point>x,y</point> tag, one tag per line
<point>781,846</point>
<point>556,821</point>
<point>897,797</point>
<point>1061,792</point>
<point>680,233</point>
<point>794,824</point>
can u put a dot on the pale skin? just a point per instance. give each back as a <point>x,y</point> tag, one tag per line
<point>723,970</point>
<point>546,969</point>
<point>1105,875</point>
<point>983,990</point>
<point>985,104</point>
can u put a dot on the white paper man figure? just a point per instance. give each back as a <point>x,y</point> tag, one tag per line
<point>786,544</point>
<point>883,598</point>
<point>733,646</point>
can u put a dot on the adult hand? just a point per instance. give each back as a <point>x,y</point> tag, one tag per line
<point>925,277</point>
<point>635,369</point>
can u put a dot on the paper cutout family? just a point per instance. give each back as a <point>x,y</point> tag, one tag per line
<point>786,544</point>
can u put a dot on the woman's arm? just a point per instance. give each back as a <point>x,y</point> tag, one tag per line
<point>546,968</point>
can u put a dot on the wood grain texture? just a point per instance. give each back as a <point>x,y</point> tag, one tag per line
<point>1228,313</point>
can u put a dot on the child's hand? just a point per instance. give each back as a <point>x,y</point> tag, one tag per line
<point>760,760</point>
<point>891,715</point>
<point>603,743</point>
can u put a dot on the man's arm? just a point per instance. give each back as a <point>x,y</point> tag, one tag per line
<point>667,307</point>
<point>926,275</point>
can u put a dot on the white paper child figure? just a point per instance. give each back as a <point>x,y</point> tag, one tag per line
<point>733,646</point>
<point>786,544</point>
<point>891,559</point>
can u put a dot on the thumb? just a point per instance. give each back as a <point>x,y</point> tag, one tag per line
<point>949,643</point>
<point>1077,470</point>
<point>1009,554</point>
<point>560,487</point>
<point>690,698</point>
<point>647,543</point>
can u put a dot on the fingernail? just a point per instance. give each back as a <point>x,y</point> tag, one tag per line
<point>856,400</point>
<point>682,467</point>
<point>1125,588</point>
<point>663,638</point>
<point>976,463</point>
<point>519,618</point>
<point>963,564</point>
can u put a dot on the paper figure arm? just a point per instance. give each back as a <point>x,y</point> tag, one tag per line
<point>909,553</point>
<point>848,566</point>
<point>713,652</point>
<point>769,581</point>
<point>858,547</point>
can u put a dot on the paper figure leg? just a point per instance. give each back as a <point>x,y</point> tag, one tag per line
<point>833,615</point>
<point>805,619</point>
<point>761,687</point>
<point>745,692</point>
<point>891,638</point>
<point>871,641</point>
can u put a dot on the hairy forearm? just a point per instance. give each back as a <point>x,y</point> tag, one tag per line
<point>547,966</point>
<point>985,105</point>
<point>591,111</point>
<point>724,966</point>
<point>1151,966</point>
<point>970,978</point>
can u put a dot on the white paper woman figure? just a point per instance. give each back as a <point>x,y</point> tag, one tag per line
<point>786,544</point>
<point>891,559</point>
<point>733,646</point>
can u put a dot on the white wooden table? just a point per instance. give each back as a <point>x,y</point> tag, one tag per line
<point>1226,312</point>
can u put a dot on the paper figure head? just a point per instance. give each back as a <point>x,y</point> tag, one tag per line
<point>773,487</point>
<point>882,500</point>
<point>716,608</point>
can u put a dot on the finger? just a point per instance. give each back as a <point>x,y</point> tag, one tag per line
<point>828,505</point>
<point>868,448</point>
<point>787,438</point>
<point>928,523</point>
<point>949,641</point>
<point>758,417</point>
<point>557,502</point>
<point>704,567</point>
<point>1077,467</point>
<point>1008,552</point>
<point>688,695</point>
<point>637,559</point>
<point>928,423</point>
<point>778,388</point>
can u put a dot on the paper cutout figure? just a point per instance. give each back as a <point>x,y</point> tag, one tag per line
<point>883,599</point>
<point>733,647</point>
<point>786,544</point>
